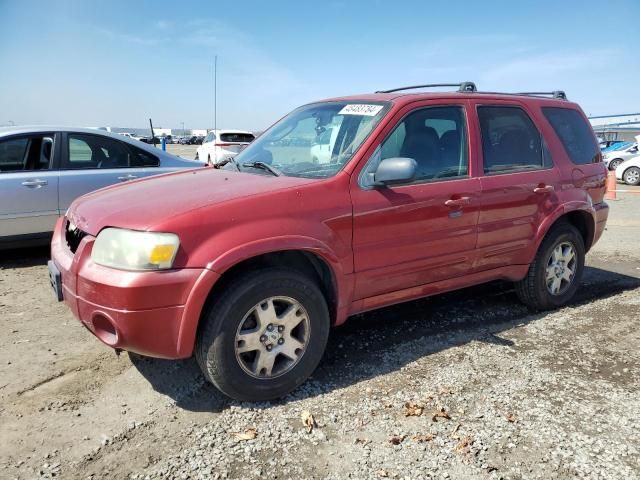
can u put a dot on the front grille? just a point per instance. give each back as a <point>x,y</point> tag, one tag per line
<point>73,235</point>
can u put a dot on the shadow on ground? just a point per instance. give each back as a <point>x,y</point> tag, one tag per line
<point>355,351</point>
<point>24,257</point>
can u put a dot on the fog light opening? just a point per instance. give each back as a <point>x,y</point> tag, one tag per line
<point>104,329</point>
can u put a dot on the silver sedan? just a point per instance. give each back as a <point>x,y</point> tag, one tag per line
<point>43,169</point>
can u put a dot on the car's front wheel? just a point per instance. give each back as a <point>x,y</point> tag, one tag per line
<point>555,273</point>
<point>631,176</point>
<point>613,164</point>
<point>264,335</point>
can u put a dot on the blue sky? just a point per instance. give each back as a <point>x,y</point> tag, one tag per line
<point>120,62</point>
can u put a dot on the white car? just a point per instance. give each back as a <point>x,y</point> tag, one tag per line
<point>614,158</point>
<point>219,145</point>
<point>321,149</point>
<point>629,171</point>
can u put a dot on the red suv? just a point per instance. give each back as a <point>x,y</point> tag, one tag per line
<point>249,265</point>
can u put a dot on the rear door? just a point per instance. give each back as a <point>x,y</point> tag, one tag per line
<point>90,162</point>
<point>519,183</point>
<point>28,184</point>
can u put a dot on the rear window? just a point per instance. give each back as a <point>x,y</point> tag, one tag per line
<point>237,137</point>
<point>575,134</point>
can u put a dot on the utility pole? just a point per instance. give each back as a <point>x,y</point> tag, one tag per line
<point>215,106</point>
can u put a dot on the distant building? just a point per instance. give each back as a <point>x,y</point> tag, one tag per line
<point>624,126</point>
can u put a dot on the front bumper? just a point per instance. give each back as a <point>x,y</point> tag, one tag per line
<point>152,313</point>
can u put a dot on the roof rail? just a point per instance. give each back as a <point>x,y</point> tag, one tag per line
<point>555,94</point>
<point>465,87</point>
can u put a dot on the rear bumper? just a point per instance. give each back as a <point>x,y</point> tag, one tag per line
<point>602,213</point>
<point>151,313</point>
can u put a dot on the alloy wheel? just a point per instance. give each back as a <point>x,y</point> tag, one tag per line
<point>632,176</point>
<point>272,337</point>
<point>561,268</point>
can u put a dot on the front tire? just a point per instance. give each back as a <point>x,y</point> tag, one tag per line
<point>631,176</point>
<point>264,335</point>
<point>554,275</point>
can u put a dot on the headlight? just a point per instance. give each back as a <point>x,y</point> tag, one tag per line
<point>132,250</point>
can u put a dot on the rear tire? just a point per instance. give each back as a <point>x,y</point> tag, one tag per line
<point>613,164</point>
<point>251,321</point>
<point>631,176</point>
<point>555,274</point>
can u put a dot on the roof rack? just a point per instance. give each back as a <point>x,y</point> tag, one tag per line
<point>465,87</point>
<point>555,94</point>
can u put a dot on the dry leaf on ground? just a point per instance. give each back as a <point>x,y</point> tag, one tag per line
<point>442,413</point>
<point>396,439</point>
<point>510,417</point>
<point>423,438</point>
<point>464,444</point>
<point>413,409</point>
<point>248,434</point>
<point>308,421</point>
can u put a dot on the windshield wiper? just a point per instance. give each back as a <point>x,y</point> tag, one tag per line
<point>264,166</point>
<point>228,160</point>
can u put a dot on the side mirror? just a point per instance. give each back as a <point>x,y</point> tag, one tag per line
<point>395,170</point>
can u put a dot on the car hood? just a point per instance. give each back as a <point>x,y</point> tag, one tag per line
<point>141,204</point>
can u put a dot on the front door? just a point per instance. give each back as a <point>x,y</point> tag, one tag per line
<point>423,231</point>
<point>28,185</point>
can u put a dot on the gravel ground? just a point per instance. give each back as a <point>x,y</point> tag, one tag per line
<point>464,385</point>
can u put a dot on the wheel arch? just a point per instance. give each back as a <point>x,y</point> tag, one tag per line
<point>304,261</point>
<point>581,216</point>
<point>322,267</point>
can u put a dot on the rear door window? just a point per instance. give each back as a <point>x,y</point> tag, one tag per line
<point>29,153</point>
<point>95,151</point>
<point>510,141</point>
<point>575,134</point>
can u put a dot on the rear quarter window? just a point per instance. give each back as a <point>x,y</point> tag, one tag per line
<point>575,134</point>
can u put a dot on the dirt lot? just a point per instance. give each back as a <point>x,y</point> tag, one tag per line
<point>497,391</point>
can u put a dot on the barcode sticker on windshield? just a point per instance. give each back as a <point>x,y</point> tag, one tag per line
<point>360,109</point>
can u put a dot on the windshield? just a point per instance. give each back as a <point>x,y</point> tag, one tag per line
<point>314,141</point>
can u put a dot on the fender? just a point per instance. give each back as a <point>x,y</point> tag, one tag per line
<point>216,268</point>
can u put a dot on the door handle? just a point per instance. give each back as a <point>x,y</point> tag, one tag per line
<point>37,183</point>
<point>457,202</point>
<point>544,189</point>
<point>127,177</point>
